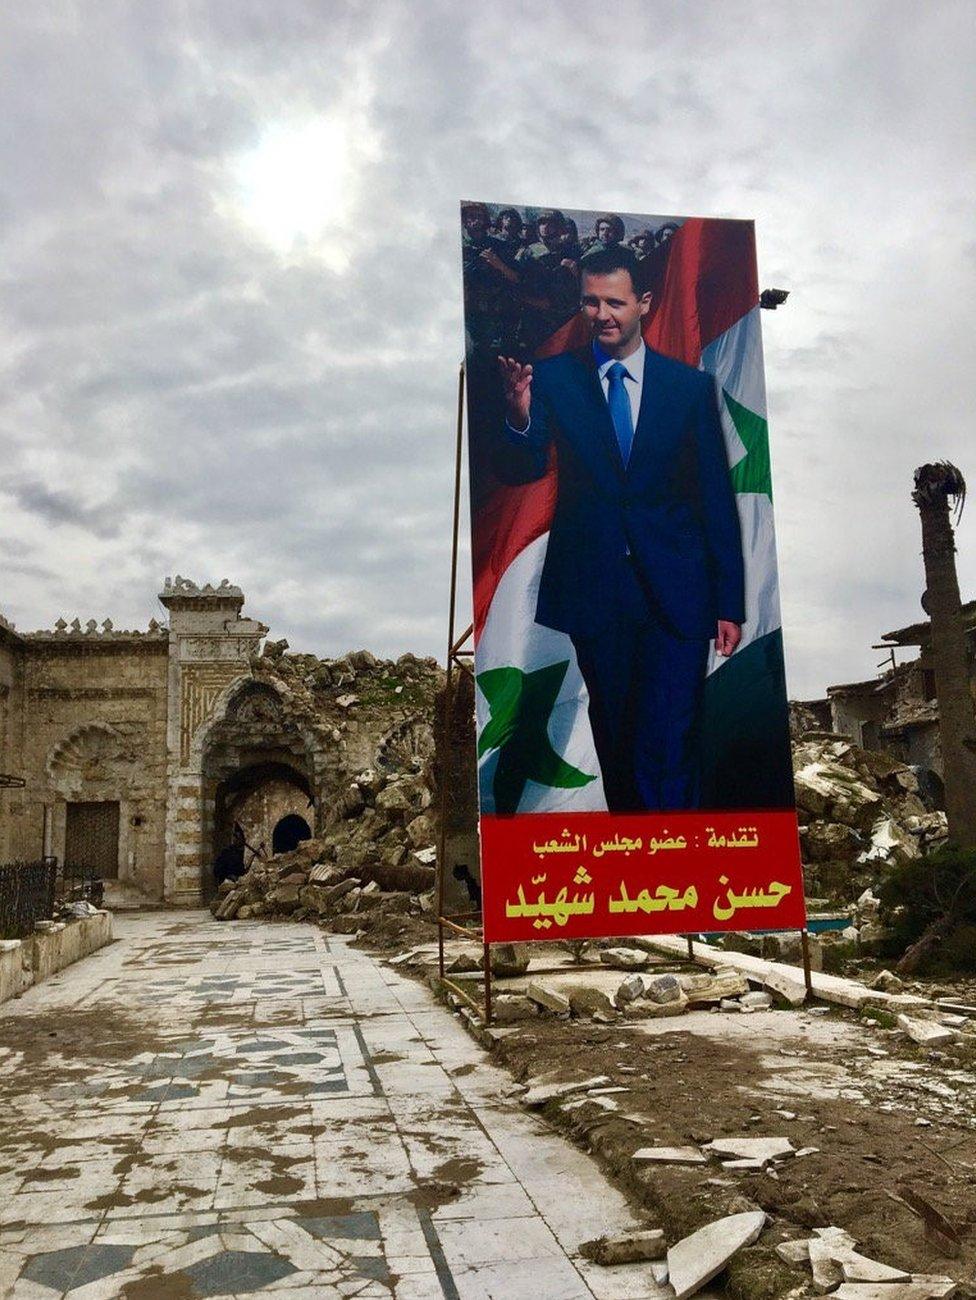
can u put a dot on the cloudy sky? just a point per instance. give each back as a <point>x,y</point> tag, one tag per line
<point>230,301</point>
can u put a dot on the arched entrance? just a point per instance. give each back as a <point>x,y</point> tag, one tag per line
<point>259,797</point>
<point>257,772</point>
<point>289,833</point>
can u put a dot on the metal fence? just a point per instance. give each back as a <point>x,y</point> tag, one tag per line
<point>78,882</point>
<point>27,892</point>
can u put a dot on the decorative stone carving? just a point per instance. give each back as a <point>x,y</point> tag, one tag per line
<point>258,705</point>
<point>202,685</point>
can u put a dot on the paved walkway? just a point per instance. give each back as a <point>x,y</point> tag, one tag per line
<point>208,1109</point>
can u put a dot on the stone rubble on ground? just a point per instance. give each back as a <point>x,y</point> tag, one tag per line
<point>540,1092</point>
<point>645,1244</point>
<point>624,958</point>
<point>670,1155</point>
<point>929,1033</point>
<point>761,1149</point>
<point>702,1256</point>
<point>839,1269</point>
<point>375,856</point>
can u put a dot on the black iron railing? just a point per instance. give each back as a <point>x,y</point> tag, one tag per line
<point>27,892</point>
<point>78,882</point>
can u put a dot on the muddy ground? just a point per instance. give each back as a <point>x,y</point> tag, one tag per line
<point>893,1124</point>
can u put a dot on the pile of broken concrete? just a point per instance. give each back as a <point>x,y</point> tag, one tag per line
<point>861,813</point>
<point>378,855</point>
<point>357,684</point>
<point>616,988</point>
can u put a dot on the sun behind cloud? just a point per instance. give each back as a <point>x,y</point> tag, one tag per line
<point>298,186</point>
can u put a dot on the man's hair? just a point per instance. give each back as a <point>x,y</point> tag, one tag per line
<point>469,209</point>
<point>618,258</point>
<point>551,214</point>
<point>613,221</point>
<point>509,212</point>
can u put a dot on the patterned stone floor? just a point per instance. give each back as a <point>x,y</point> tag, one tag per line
<point>217,1110</point>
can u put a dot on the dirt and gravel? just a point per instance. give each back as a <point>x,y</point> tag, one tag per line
<point>888,1127</point>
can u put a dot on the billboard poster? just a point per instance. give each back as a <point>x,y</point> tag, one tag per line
<point>633,734</point>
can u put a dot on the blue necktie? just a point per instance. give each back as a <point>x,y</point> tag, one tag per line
<point>620,413</point>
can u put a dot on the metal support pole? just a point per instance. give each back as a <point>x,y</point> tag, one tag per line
<point>691,948</point>
<point>448,687</point>
<point>807,972</point>
<point>487,983</point>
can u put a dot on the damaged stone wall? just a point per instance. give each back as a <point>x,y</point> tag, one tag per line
<point>89,726</point>
<point>190,727</point>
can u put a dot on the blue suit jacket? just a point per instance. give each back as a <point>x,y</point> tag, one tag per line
<point>672,506</point>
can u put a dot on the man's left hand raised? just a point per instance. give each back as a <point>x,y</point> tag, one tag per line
<point>727,638</point>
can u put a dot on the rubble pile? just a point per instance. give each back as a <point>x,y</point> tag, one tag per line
<point>357,684</point>
<point>861,813</point>
<point>377,857</point>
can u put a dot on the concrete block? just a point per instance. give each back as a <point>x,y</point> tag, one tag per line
<point>788,985</point>
<point>548,997</point>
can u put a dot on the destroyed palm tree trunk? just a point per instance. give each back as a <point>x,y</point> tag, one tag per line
<point>934,486</point>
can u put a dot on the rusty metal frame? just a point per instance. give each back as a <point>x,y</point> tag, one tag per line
<point>460,656</point>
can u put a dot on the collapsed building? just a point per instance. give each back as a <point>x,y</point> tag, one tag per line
<point>135,753</point>
<point>897,712</point>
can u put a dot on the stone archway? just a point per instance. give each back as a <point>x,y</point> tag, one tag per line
<point>93,775</point>
<point>259,798</point>
<point>257,766</point>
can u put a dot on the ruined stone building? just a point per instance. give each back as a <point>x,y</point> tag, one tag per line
<point>135,753</point>
<point>897,712</point>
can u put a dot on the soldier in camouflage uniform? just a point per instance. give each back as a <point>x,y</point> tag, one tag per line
<point>550,284</point>
<point>491,285</point>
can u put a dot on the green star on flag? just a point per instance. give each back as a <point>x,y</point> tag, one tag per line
<point>521,704</point>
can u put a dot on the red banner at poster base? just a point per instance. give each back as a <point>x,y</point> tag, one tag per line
<point>599,874</point>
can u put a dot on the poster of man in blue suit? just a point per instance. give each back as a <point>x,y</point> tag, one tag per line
<point>627,538</point>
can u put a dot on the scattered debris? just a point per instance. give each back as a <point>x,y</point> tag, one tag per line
<point>646,1244</point>
<point>671,1155</point>
<point>539,1093</point>
<point>702,1256</point>
<point>761,1149</point>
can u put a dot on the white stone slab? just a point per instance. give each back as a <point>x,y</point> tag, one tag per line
<point>700,1257</point>
<point>794,1252</point>
<point>752,1148</point>
<point>787,984</point>
<point>892,1291</point>
<point>926,1032</point>
<point>858,1268</point>
<point>670,1155</point>
<point>541,1093</point>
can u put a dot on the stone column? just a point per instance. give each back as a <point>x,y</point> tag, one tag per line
<point>210,646</point>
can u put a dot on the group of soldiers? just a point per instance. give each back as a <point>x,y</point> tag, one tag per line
<point>522,277</point>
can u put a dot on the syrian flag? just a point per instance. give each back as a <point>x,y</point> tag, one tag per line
<point>535,750</point>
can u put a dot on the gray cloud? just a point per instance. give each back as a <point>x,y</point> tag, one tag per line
<point>177,395</point>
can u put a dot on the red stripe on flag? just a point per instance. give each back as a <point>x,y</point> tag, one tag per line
<point>709,282</point>
<point>511,519</point>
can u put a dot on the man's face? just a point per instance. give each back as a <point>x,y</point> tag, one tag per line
<point>614,311</point>
<point>510,225</point>
<point>476,223</point>
<point>549,230</point>
<point>603,231</point>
